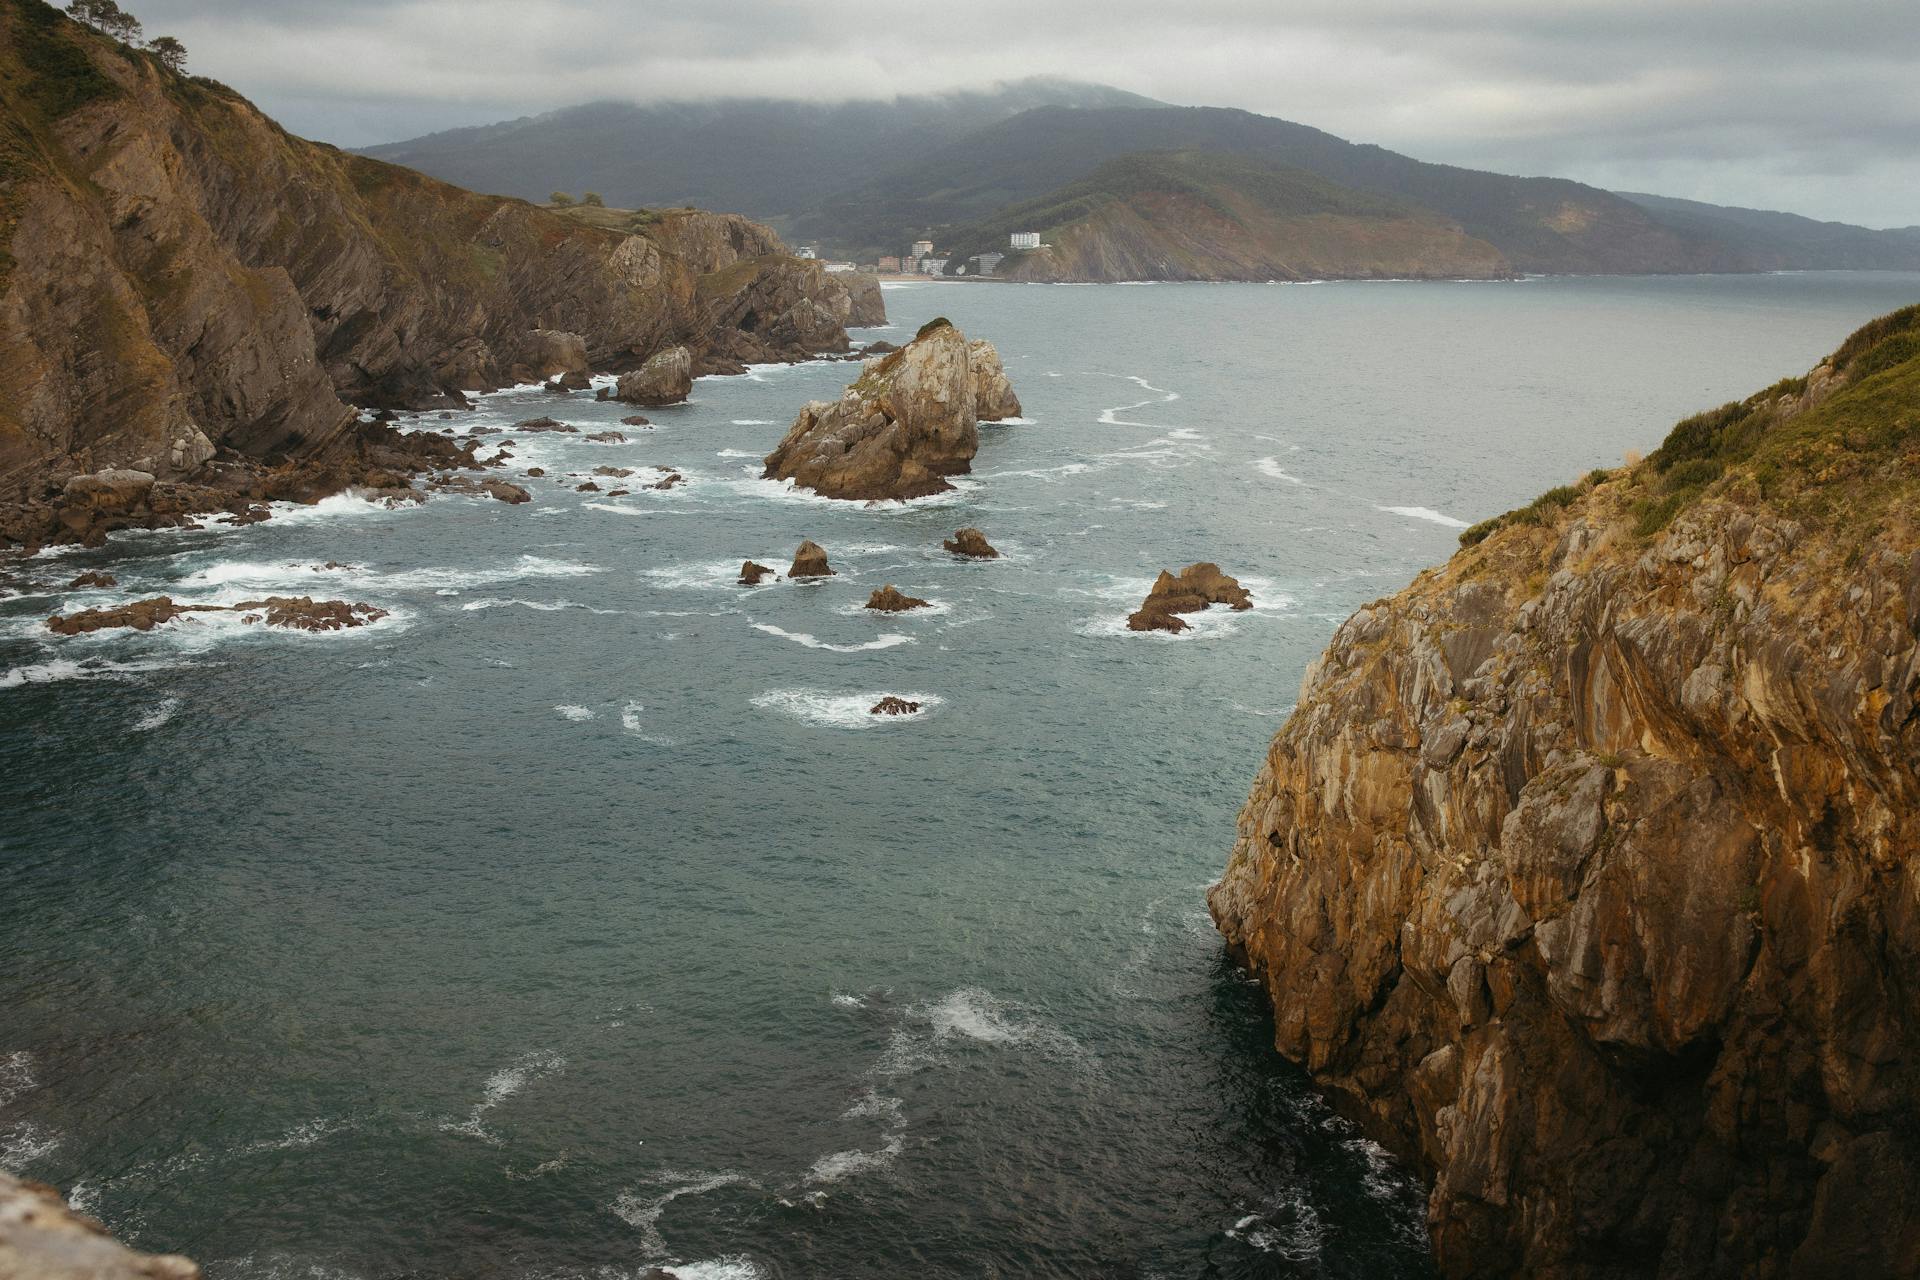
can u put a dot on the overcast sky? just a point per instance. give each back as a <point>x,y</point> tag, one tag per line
<point>1811,106</point>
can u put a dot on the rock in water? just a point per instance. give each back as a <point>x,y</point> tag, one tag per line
<point>140,615</point>
<point>910,420</point>
<point>810,561</point>
<point>889,600</point>
<point>893,706</point>
<point>1198,586</point>
<point>301,613</point>
<point>93,578</point>
<point>751,574</point>
<point>531,425</point>
<point>42,1239</point>
<point>1583,875</point>
<point>993,397</point>
<point>971,542</point>
<point>666,378</point>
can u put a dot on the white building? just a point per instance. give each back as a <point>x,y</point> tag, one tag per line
<point>921,248</point>
<point>806,251</point>
<point>1024,240</point>
<point>986,263</point>
<point>932,266</point>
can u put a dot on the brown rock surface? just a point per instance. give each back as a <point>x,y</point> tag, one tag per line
<point>752,575</point>
<point>298,612</point>
<point>42,1239</point>
<point>666,378</point>
<point>810,561</point>
<point>993,397</point>
<point>606,437</point>
<point>1583,875</point>
<point>94,578</point>
<point>534,425</point>
<point>889,600</point>
<point>1196,587</point>
<point>909,421</point>
<point>893,706</point>
<point>971,542</point>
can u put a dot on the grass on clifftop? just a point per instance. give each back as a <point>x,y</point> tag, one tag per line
<point>1839,448</point>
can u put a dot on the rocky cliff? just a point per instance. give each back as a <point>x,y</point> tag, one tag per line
<point>910,420</point>
<point>42,1239</point>
<point>178,274</point>
<point>1586,873</point>
<point>1203,216</point>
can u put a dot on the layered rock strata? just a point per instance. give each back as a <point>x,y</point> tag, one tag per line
<point>1584,874</point>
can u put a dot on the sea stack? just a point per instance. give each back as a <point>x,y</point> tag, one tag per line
<point>908,422</point>
<point>752,575</point>
<point>1583,875</point>
<point>666,378</point>
<point>890,599</point>
<point>971,543</point>
<point>810,561</point>
<point>1196,587</point>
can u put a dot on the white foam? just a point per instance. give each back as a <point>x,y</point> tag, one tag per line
<point>630,723</point>
<point>158,714</point>
<point>841,710</point>
<point>1288,1227</point>
<point>24,1144</point>
<point>503,1084</point>
<point>737,453</point>
<point>307,1134</point>
<point>1271,467</point>
<point>714,575</point>
<point>887,641</point>
<point>837,1165</point>
<point>1015,421</point>
<point>644,1213</point>
<point>751,422</point>
<point>1425,513</point>
<point>256,576</point>
<point>80,669</point>
<point>1111,417</point>
<point>788,491</point>
<point>731,1267</point>
<point>543,606</point>
<point>16,1076</point>
<point>575,713</point>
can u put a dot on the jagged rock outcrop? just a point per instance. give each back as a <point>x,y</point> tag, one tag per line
<point>299,613</point>
<point>890,599</point>
<point>993,398</point>
<point>42,1239</point>
<point>179,275</point>
<point>810,561</point>
<point>666,378</point>
<point>972,543</point>
<point>894,705</point>
<point>1584,874</point>
<point>752,575</point>
<point>1192,590</point>
<point>909,421</point>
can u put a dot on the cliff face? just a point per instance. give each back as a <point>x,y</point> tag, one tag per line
<point>1199,216</point>
<point>177,273</point>
<point>42,1239</point>
<point>1585,873</point>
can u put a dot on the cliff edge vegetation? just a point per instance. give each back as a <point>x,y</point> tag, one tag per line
<point>1585,873</point>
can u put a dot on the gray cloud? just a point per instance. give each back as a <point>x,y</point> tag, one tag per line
<point>1769,104</point>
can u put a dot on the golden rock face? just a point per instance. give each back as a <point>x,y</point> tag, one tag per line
<point>1583,876</point>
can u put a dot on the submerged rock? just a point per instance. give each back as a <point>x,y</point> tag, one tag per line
<point>971,542</point>
<point>810,561</point>
<point>606,437</point>
<point>532,425</point>
<point>910,420</point>
<point>752,575</point>
<point>893,706</point>
<point>93,578</point>
<point>140,615</point>
<point>1196,587</point>
<point>666,378</point>
<point>889,600</point>
<point>631,420</point>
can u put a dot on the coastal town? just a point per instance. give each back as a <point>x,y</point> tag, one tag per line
<point>924,258</point>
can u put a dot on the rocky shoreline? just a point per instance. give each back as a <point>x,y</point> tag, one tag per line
<point>1583,874</point>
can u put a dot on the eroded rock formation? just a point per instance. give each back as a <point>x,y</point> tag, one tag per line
<point>898,431</point>
<point>666,378</point>
<point>217,290</point>
<point>298,613</point>
<point>1584,874</point>
<point>810,561</point>
<point>893,705</point>
<point>972,543</point>
<point>1195,587</point>
<point>889,599</point>
<point>752,575</point>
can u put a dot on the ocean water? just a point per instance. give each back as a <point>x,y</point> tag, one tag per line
<point>576,919</point>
